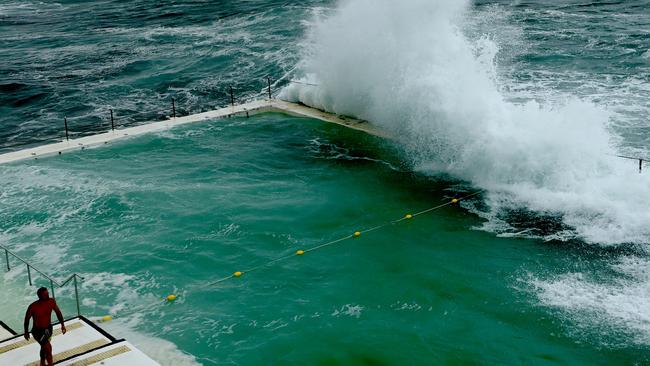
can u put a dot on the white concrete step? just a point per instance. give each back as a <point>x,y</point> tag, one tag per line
<point>117,354</point>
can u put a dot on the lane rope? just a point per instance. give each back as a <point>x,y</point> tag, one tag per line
<point>143,307</point>
<point>356,234</point>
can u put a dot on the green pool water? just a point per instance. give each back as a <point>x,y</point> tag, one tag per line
<point>171,213</point>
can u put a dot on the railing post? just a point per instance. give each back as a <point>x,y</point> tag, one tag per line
<point>268,79</point>
<point>112,122</point>
<point>29,275</point>
<point>232,97</point>
<point>173,107</point>
<point>7,258</point>
<point>640,165</point>
<point>76,294</point>
<point>65,123</point>
<point>52,288</point>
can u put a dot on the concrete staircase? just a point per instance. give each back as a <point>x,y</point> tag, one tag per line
<point>83,344</point>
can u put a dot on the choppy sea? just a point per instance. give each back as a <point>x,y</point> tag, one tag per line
<point>525,102</point>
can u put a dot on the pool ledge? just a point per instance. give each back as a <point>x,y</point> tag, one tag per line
<point>247,109</point>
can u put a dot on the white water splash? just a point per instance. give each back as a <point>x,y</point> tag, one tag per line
<point>409,68</point>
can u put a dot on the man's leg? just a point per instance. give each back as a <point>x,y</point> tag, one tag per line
<point>42,353</point>
<point>48,353</point>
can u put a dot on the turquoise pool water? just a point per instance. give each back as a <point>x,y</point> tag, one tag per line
<point>173,212</point>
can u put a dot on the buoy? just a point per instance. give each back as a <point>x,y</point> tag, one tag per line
<point>408,216</point>
<point>300,252</point>
<point>237,274</point>
<point>357,233</point>
<point>106,318</point>
<point>171,297</point>
<point>455,200</point>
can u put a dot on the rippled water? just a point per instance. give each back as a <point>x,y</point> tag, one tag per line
<point>80,59</point>
<point>546,266</point>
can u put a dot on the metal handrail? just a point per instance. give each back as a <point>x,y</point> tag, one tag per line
<point>641,160</point>
<point>74,277</point>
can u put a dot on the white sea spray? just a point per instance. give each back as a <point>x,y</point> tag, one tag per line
<point>410,69</point>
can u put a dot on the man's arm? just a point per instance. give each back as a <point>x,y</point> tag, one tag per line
<point>28,316</point>
<point>59,316</point>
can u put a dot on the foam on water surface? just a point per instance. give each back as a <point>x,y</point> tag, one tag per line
<point>614,304</point>
<point>482,98</point>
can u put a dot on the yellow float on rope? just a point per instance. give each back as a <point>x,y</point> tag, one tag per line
<point>237,274</point>
<point>357,234</point>
<point>106,318</point>
<point>408,216</point>
<point>300,252</point>
<point>455,200</point>
<point>171,297</point>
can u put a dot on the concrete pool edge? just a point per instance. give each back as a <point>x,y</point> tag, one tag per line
<point>246,109</point>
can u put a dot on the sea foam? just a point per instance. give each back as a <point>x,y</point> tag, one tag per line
<point>411,69</point>
<point>616,306</point>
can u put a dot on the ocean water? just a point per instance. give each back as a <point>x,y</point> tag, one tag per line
<point>526,102</point>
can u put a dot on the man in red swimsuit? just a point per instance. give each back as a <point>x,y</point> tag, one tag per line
<point>41,311</point>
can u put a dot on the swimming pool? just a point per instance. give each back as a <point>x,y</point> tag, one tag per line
<point>172,212</point>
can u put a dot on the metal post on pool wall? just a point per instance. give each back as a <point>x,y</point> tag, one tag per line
<point>268,79</point>
<point>112,122</point>
<point>232,97</point>
<point>7,258</point>
<point>29,275</point>
<point>76,294</point>
<point>640,165</point>
<point>65,123</point>
<point>52,288</point>
<point>173,107</point>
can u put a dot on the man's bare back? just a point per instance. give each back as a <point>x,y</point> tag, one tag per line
<point>41,312</point>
